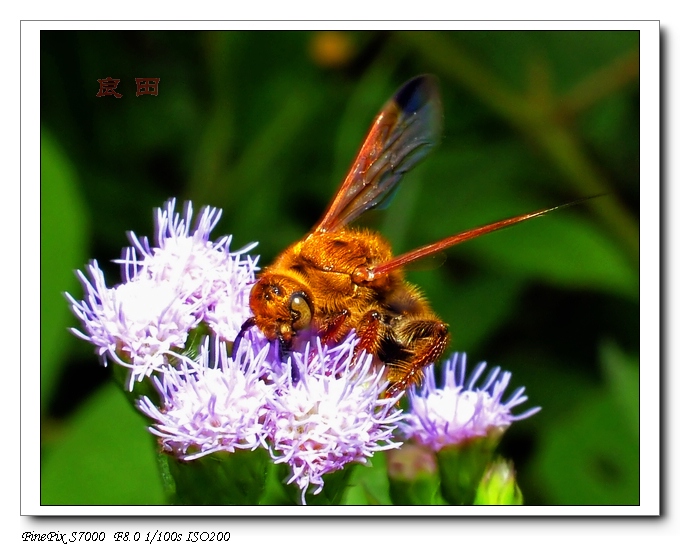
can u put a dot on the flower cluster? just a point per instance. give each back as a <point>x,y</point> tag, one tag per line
<point>168,290</point>
<point>331,415</point>
<point>460,410</point>
<point>210,406</point>
<point>317,410</point>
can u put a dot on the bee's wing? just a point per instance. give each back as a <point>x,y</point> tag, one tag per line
<point>404,131</point>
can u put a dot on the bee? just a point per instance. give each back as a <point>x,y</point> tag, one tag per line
<point>337,279</point>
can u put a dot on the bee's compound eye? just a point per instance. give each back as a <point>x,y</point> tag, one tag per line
<point>301,310</point>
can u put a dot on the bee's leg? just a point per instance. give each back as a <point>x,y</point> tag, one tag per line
<point>330,330</point>
<point>369,330</point>
<point>247,325</point>
<point>424,340</point>
<point>285,350</point>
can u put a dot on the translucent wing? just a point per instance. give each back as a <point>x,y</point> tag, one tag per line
<point>404,131</point>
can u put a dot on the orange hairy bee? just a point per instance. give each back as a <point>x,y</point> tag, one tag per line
<point>337,279</point>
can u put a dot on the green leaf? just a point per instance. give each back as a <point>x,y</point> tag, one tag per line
<point>591,456</point>
<point>474,308</point>
<point>623,377</point>
<point>562,249</point>
<point>275,493</point>
<point>368,485</point>
<point>105,456</point>
<point>63,244</point>
<point>223,478</point>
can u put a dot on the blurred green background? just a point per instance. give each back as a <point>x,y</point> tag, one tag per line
<point>265,124</point>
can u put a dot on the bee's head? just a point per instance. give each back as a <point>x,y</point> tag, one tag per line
<point>281,306</point>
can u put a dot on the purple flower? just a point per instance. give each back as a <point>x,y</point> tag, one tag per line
<point>332,416</point>
<point>168,290</point>
<point>204,272</point>
<point>206,407</point>
<point>459,411</point>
